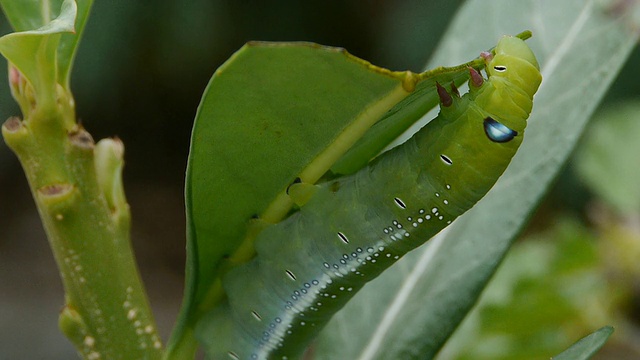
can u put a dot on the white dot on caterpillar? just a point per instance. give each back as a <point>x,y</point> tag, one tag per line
<point>448,187</point>
<point>449,222</point>
<point>381,248</point>
<point>406,234</point>
<point>421,211</point>
<point>394,222</point>
<point>434,210</point>
<point>385,230</point>
<point>409,218</point>
<point>428,217</point>
<point>420,220</point>
<point>440,217</point>
<point>415,224</point>
<point>446,202</point>
<point>437,194</point>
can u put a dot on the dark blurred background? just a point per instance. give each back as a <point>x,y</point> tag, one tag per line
<point>139,74</point>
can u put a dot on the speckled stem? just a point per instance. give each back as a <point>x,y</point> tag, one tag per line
<point>77,188</point>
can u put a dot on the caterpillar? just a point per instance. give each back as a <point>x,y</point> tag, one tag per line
<point>353,227</point>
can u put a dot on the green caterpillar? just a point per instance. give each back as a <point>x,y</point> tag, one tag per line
<point>309,265</point>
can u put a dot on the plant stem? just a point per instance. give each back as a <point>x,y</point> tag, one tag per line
<point>77,188</point>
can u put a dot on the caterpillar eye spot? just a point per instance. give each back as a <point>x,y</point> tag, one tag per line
<point>446,159</point>
<point>498,132</point>
<point>500,68</point>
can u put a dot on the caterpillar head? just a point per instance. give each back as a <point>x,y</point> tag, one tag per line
<point>514,61</point>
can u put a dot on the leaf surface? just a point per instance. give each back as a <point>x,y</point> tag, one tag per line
<point>586,347</point>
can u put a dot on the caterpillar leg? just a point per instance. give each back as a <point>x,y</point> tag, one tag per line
<point>301,192</point>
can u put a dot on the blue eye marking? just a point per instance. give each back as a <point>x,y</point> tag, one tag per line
<point>497,132</point>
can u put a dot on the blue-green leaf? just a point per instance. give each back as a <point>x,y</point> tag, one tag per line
<point>586,347</point>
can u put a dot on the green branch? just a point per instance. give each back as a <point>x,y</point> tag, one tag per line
<point>77,188</point>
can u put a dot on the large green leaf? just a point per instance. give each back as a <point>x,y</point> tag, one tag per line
<point>271,114</point>
<point>586,347</point>
<point>410,311</point>
<point>29,18</point>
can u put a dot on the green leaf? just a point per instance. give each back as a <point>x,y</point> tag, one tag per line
<point>271,114</point>
<point>586,347</point>
<point>411,310</point>
<point>38,25</point>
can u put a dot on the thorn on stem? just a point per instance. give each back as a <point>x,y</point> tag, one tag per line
<point>82,139</point>
<point>454,89</point>
<point>476,78</point>
<point>487,56</point>
<point>14,76</point>
<point>55,190</point>
<point>13,124</point>
<point>445,99</point>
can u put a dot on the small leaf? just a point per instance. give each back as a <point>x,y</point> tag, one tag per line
<point>30,15</point>
<point>32,51</point>
<point>586,347</point>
